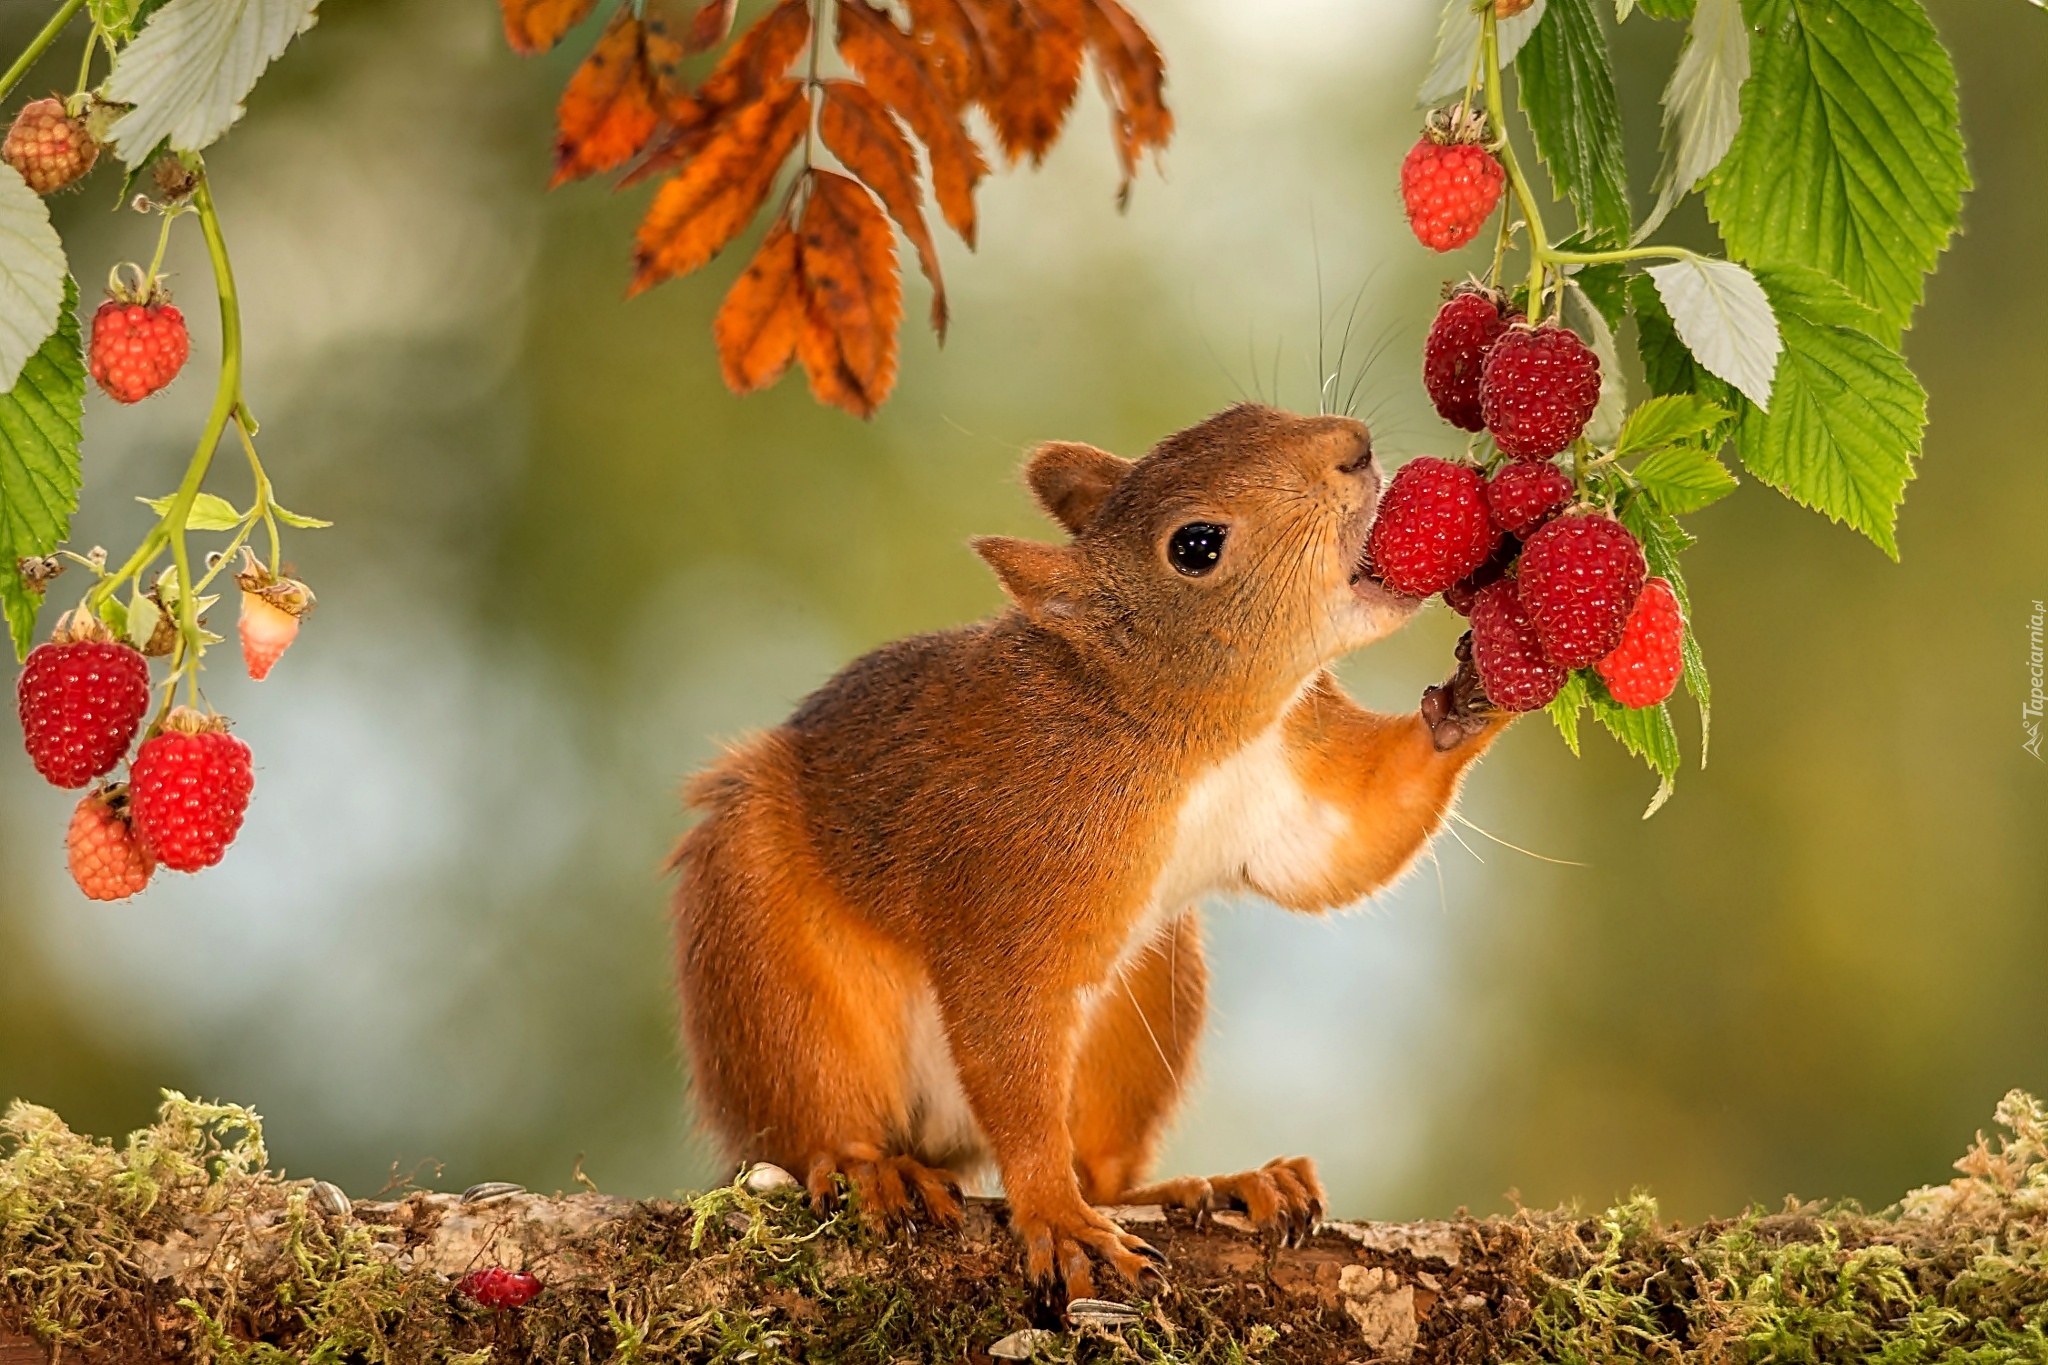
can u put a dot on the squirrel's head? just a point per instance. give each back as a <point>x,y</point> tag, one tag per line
<point>1228,558</point>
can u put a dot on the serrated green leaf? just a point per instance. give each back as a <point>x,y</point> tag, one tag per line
<point>1724,318</point>
<point>1583,316</point>
<point>1564,709</point>
<point>1662,539</point>
<point>1702,104</point>
<point>1684,478</point>
<point>1457,43</point>
<point>1695,679</point>
<point>1567,91</point>
<point>142,621</point>
<point>1846,414</point>
<point>209,513</point>
<point>1646,732</point>
<point>33,276</point>
<point>1670,368</point>
<point>1850,155</point>
<point>294,519</point>
<point>1668,420</point>
<point>1666,9</point>
<point>191,68</point>
<point>39,479</point>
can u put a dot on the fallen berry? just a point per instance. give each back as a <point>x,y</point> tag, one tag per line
<point>1455,353</point>
<point>1449,182</point>
<point>271,611</point>
<point>1644,667</point>
<point>1505,650</point>
<point>139,342</point>
<point>81,696</point>
<point>189,789</point>
<point>50,148</point>
<point>1580,578</point>
<point>1458,597</point>
<point>498,1287</point>
<point>1538,389</point>
<point>1526,494</point>
<point>1432,528</point>
<point>107,859</point>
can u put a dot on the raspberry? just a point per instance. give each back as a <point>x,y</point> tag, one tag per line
<point>1452,357</point>
<point>1644,667</point>
<point>498,1287</point>
<point>1449,182</point>
<point>108,861</point>
<point>1432,527</point>
<point>1580,577</point>
<point>1508,9</point>
<point>50,148</point>
<point>1539,386</point>
<point>189,788</point>
<point>271,610</point>
<point>1526,494</point>
<point>82,696</point>
<point>139,342</point>
<point>1510,660</point>
<point>1458,597</point>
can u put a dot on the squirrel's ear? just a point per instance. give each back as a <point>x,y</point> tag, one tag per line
<point>1070,480</point>
<point>1045,580</point>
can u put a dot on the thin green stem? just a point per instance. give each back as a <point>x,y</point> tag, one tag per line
<point>163,242</point>
<point>1634,253</point>
<point>92,44</point>
<point>1496,110</point>
<point>39,45</point>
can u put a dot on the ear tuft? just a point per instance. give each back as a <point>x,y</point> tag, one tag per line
<point>1045,580</point>
<point>1071,480</point>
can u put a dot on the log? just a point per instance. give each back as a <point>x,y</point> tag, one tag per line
<point>184,1246</point>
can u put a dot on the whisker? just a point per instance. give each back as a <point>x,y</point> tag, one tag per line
<point>1539,857</point>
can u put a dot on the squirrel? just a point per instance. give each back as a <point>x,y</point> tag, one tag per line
<point>946,913</point>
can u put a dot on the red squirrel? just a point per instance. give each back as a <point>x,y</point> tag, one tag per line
<point>946,913</point>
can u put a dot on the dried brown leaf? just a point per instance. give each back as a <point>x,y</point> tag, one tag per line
<point>757,326</point>
<point>709,25</point>
<point>853,298</point>
<point>864,135</point>
<point>612,104</point>
<point>1133,80</point>
<point>1033,53</point>
<point>533,26</point>
<point>749,67</point>
<point>902,75</point>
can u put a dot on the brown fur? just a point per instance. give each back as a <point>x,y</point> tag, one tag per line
<point>976,822</point>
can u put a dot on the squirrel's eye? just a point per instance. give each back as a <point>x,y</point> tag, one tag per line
<point>1195,548</point>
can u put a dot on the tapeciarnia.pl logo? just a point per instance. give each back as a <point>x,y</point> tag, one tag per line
<point>2030,710</point>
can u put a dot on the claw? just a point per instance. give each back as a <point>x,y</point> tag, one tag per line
<point>1151,1253</point>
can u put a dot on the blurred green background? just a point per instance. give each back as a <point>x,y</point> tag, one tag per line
<point>568,563</point>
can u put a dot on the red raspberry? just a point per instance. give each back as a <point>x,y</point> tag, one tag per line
<point>498,1287</point>
<point>1449,182</point>
<point>1580,578</point>
<point>108,861</point>
<point>50,148</point>
<point>1432,527</point>
<point>1455,352</point>
<point>82,696</point>
<point>1645,666</point>
<point>1508,9</point>
<point>1510,660</point>
<point>139,343</point>
<point>1539,386</point>
<point>1458,597</point>
<point>189,788</point>
<point>1526,494</point>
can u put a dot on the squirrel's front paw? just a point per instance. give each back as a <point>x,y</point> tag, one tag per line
<point>1457,709</point>
<point>1060,1251</point>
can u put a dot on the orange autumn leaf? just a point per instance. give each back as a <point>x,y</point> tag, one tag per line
<point>742,75</point>
<point>853,298</point>
<point>956,42</point>
<point>899,73</point>
<point>704,205</point>
<point>709,25</point>
<point>611,106</point>
<point>1034,70</point>
<point>757,325</point>
<point>1134,80</point>
<point>536,25</point>
<point>861,132</point>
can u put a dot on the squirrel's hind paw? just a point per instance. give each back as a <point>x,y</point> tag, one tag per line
<point>887,1191</point>
<point>1282,1198</point>
<point>1060,1253</point>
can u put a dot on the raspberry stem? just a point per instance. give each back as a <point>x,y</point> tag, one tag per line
<point>39,45</point>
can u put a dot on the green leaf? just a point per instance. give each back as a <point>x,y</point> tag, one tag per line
<point>189,71</point>
<point>1666,9</point>
<point>1702,103</point>
<point>1723,316</point>
<point>1457,41</point>
<point>1846,414</point>
<point>1583,316</point>
<point>1663,539</point>
<point>294,519</point>
<point>1567,90</point>
<point>1646,732</point>
<point>39,426</point>
<point>142,621</point>
<point>1668,420</point>
<point>33,277</point>
<point>209,513</point>
<point>1684,478</point>
<point>1850,155</point>
<point>1564,709</point>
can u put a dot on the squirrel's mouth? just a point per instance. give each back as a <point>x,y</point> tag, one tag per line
<point>1366,583</point>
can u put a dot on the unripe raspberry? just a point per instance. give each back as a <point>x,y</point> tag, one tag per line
<point>1449,182</point>
<point>1432,528</point>
<point>1526,494</point>
<point>1452,358</point>
<point>82,696</point>
<point>1580,577</point>
<point>1505,650</point>
<point>272,608</point>
<point>189,789</point>
<point>1538,390</point>
<point>50,148</point>
<point>107,859</point>
<point>139,342</point>
<point>1645,666</point>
